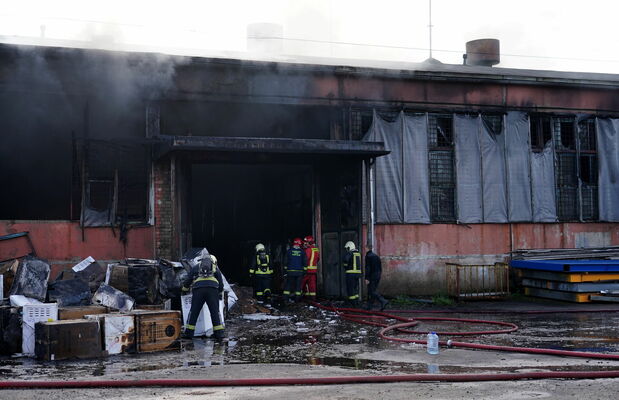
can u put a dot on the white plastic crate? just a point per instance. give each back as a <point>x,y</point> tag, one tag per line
<point>31,314</point>
<point>204,326</point>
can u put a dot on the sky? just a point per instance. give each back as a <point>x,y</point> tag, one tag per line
<point>564,35</point>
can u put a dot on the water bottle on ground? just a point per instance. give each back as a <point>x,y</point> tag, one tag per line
<point>432,343</point>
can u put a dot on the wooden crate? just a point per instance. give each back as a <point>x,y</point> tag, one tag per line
<point>78,312</point>
<point>157,330</point>
<point>61,340</point>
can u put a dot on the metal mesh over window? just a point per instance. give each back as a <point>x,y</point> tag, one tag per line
<point>441,167</point>
<point>541,132</point>
<point>494,122</point>
<point>563,130</point>
<point>440,130</point>
<point>567,203</point>
<point>590,210</point>
<point>586,131</point>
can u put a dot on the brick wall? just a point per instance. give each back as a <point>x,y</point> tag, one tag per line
<point>163,209</point>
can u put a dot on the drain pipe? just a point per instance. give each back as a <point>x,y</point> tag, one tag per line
<point>372,221</point>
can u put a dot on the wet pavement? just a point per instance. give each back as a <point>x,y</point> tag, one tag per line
<point>308,336</point>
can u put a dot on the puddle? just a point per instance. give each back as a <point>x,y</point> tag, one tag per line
<point>314,337</point>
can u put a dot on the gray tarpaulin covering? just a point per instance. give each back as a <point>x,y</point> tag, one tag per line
<point>493,174</point>
<point>468,165</point>
<point>416,175</point>
<point>402,191</point>
<point>389,207</point>
<point>517,155</point>
<point>543,185</point>
<point>608,177</point>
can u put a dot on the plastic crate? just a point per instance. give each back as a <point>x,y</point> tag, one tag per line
<point>478,281</point>
<point>31,314</point>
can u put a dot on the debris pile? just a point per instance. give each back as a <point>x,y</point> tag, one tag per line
<point>93,311</point>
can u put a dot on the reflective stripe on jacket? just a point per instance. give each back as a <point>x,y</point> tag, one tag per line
<point>352,262</point>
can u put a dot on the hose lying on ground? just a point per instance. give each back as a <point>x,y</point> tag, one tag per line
<point>368,318</point>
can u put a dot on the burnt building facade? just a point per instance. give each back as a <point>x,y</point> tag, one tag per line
<point>114,155</point>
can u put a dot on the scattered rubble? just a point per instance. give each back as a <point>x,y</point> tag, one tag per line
<point>130,306</point>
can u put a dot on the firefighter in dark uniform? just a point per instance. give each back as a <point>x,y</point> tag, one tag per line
<point>373,270</point>
<point>208,288</point>
<point>352,265</point>
<point>261,273</point>
<point>295,266</point>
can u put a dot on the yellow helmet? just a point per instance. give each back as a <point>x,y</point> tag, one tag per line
<point>350,246</point>
<point>259,247</point>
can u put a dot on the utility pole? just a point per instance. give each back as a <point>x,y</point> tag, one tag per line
<point>430,24</point>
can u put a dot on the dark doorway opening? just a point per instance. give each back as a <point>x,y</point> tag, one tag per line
<point>235,206</point>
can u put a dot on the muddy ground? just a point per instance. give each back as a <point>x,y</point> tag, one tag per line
<point>308,342</point>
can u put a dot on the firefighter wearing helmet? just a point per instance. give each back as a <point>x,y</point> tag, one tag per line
<point>351,262</point>
<point>261,273</point>
<point>312,254</point>
<point>294,269</point>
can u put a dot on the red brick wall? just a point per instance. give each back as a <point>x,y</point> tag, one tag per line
<point>163,210</point>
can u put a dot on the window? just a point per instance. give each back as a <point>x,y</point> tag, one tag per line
<point>588,170</point>
<point>540,132</point>
<point>575,164</point>
<point>441,167</point>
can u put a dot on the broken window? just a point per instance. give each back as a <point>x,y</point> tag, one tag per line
<point>575,164</point>
<point>441,167</point>
<point>541,132</point>
<point>494,122</point>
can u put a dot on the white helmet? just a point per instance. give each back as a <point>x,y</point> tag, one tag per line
<point>214,260</point>
<point>350,246</point>
<point>259,247</point>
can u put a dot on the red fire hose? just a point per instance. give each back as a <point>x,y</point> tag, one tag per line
<point>368,318</point>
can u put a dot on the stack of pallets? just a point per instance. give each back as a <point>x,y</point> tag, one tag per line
<point>570,280</point>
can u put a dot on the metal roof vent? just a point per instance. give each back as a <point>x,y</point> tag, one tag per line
<point>482,52</point>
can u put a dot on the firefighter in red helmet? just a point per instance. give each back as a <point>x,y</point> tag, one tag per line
<point>312,254</point>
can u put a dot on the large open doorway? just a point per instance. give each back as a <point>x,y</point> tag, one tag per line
<point>235,206</point>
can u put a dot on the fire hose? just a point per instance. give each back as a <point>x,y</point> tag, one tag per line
<point>372,319</point>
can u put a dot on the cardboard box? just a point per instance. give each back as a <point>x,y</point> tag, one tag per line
<point>61,340</point>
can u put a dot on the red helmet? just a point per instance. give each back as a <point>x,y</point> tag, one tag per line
<point>309,239</point>
<point>296,242</point>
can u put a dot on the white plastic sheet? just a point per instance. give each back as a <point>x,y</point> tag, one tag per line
<point>608,161</point>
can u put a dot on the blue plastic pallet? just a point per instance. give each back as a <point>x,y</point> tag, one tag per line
<point>568,265</point>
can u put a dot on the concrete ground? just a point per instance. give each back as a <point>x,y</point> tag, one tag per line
<point>309,342</point>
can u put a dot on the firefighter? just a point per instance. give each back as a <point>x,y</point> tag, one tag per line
<point>207,283</point>
<point>294,268</point>
<point>312,254</point>
<point>261,273</point>
<point>373,270</point>
<point>352,265</point>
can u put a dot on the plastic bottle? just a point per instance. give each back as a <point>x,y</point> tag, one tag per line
<point>432,343</point>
